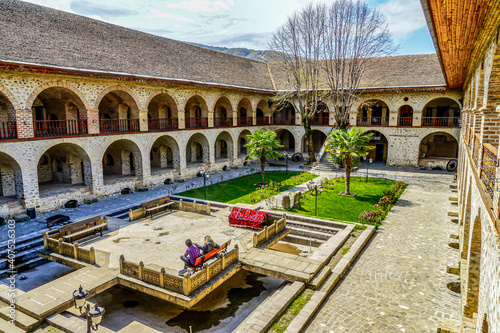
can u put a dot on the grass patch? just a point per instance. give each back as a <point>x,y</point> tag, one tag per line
<point>242,190</point>
<point>291,312</point>
<point>345,250</point>
<point>344,208</point>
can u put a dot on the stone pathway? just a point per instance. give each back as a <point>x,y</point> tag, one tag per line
<point>399,282</point>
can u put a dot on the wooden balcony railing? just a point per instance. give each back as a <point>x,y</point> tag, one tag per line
<point>476,150</point>
<point>197,122</point>
<point>8,130</point>
<point>223,121</point>
<point>489,164</point>
<point>440,122</point>
<point>373,121</point>
<point>162,124</point>
<point>245,121</point>
<point>119,125</point>
<point>54,128</point>
<point>263,120</point>
<point>319,121</point>
<point>290,120</point>
<point>405,121</point>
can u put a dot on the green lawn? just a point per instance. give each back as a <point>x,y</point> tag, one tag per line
<point>240,189</point>
<point>343,208</point>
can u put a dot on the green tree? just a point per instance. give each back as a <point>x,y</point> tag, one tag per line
<point>262,146</point>
<point>348,145</point>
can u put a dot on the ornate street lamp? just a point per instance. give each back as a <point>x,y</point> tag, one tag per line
<point>368,162</point>
<point>205,177</point>
<point>317,188</point>
<point>94,315</point>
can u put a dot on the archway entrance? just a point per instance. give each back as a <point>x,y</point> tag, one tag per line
<point>318,139</point>
<point>196,113</point>
<point>284,115</point>
<point>242,141</point>
<point>11,181</point>
<point>379,153</point>
<point>437,149</point>
<point>223,110</point>
<point>287,140</point>
<point>7,119</point>
<point>118,113</point>
<point>197,151</point>
<point>64,166</point>
<point>441,112</point>
<point>162,113</point>
<point>405,116</point>
<point>373,113</point>
<point>164,155</point>
<point>122,160</point>
<point>223,147</point>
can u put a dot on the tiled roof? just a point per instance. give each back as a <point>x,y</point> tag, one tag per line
<point>39,35</point>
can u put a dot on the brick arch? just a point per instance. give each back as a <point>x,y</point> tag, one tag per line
<point>158,92</point>
<point>470,305</point>
<point>113,88</point>
<point>10,97</point>
<point>441,130</point>
<point>56,84</point>
<point>430,99</point>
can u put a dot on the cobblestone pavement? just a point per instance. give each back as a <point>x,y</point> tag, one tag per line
<point>399,282</point>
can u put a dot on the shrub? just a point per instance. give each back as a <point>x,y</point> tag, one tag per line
<point>370,217</point>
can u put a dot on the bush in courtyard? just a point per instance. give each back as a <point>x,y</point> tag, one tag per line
<point>372,217</point>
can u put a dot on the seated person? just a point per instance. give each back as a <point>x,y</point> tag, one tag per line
<point>209,245</point>
<point>192,253</point>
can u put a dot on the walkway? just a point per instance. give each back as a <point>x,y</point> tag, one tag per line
<point>399,282</point>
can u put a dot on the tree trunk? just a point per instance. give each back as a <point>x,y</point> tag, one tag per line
<point>262,168</point>
<point>348,166</point>
<point>309,140</point>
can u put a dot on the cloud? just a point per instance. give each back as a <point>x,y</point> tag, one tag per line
<point>170,16</point>
<point>202,5</point>
<point>87,8</point>
<point>223,21</point>
<point>403,16</point>
<point>255,40</point>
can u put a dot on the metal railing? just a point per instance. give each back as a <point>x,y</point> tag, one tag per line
<point>290,120</point>
<point>245,121</point>
<point>197,122</point>
<point>8,130</point>
<point>118,125</point>
<point>263,120</point>
<point>489,165</point>
<point>223,121</point>
<point>320,121</point>
<point>54,128</point>
<point>162,124</point>
<point>405,121</point>
<point>372,121</point>
<point>440,122</point>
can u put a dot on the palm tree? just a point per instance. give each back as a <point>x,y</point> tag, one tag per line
<point>348,145</point>
<point>262,146</point>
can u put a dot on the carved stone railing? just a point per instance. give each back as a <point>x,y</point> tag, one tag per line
<point>68,249</point>
<point>186,284</point>
<point>181,205</point>
<point>269,231</point>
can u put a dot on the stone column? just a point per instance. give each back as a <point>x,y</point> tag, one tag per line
<point>254,118</point>
<point>331,118</point>
<point>235,118</point>
<point>393,118</point>
<point>353,116</point>
<point>181,116</point>
<point>143,120</point>
<point>211,119</point>
<point>417,118</point>
<point>31,197</point>
<point>24,123</point>
<point>93,121</point>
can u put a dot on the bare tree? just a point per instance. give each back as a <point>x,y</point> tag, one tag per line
<point>298,46</point>
<point>355,34</point>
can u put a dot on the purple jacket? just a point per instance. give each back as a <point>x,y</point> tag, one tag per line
<point>193,252</point>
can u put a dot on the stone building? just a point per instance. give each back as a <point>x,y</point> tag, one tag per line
<point>466,35</point>
<point>88,109</point>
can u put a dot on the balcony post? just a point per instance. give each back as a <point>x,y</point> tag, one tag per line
<point>24,123</point>
<point>393,118</point>
<point>181,115</point>
<point>93,121</point>
<point>417,118</point>
<point>143,120</point>
<point>254,118</point>
<point>235,118</point>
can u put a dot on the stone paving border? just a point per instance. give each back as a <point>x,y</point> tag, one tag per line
<point>266,314</point>
<point>317,299</point>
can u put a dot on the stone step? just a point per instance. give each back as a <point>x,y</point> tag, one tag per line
<point>4,293</point>
<point>314,234</point>
<point>313,226</point>
<point>24,266</point>
<point>453,214</point>
<point>72,324</point>
<point>313,220</point>
<point>320,277</point>
<point>453,198</point>
<point>20,257</point>
<point>32,243</point>
<point>302,240</point>
<point>7,327</point>
<point>22,320</point>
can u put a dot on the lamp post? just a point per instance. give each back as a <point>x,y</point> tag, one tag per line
<point>205,177</point>
<point>94,315</point>
<point>316,189</point>
<point>368,162</point>
<point>287,156</point>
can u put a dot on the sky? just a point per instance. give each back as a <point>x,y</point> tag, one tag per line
<point>237,23</point>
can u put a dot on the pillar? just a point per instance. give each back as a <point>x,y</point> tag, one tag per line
<point>393,118</point>
<point>210,119</point>
<point>235,118</point>
<point>143,120</point>
<point>93,121</point>
<point>24,123</point>
<point>181,116</point>
<point>417,118</point>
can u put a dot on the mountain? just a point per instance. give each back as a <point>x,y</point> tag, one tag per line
<point>242,52</point>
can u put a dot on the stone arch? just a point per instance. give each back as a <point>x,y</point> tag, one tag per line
<point>224,147</point>
<point>263,112</point>
<point>10,97</point>
<point>197,150</point>
<point>196,112</point>
<point>287,139</point>
<point>405,115</point>
<point>162,112</point>
<point>381,143</point>
<point>243,140</point>
<point>322,116</point>
<point>7,118</point>
<point>318,137</point>
<point>439,147</point>
<point>125,89</point>
<point>56,84</point>
<point>466,221</point>
<point>159,92</point>
<point>245,112</point>
<point>127,160</point>
<point>63,165</point>
<point>223,112</point>
<point>441,112</point>
<point>11,179</point>
<point>284,114</point>
<point>164,154</point>
<point>473,269</point>
<point>431,98</point>
<point>373,112</point>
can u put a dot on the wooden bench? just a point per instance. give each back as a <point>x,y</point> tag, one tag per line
<point>159,206</point>
<point>85,229</point>
<point>198,264</point>
<point>78,224</point>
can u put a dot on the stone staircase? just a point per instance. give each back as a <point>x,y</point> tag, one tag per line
<point>310,232</point>
<point>326,164</point>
